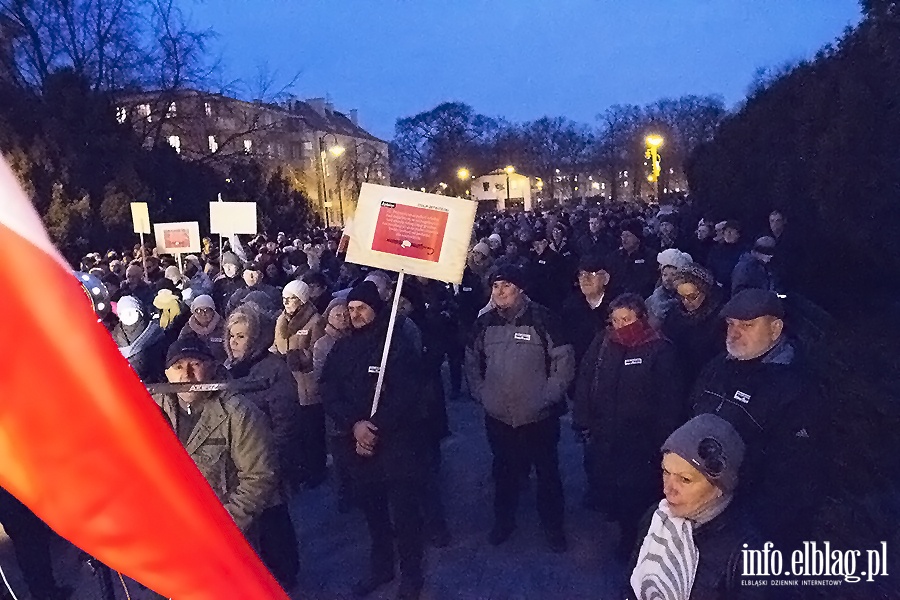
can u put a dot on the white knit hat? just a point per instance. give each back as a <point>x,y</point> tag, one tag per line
<point>673,257</point>
<point>297,288</point>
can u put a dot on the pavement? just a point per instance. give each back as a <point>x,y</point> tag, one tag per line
<point>334,547</point>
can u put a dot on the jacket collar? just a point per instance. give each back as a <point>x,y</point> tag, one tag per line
<point>211,418</point>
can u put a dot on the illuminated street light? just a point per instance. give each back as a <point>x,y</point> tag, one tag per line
<point>463,173</point>
<point>336,150</point>
<point>654,141</point>
<point>510,169</point>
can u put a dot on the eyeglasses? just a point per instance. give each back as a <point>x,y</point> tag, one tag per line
<point>691,297</point>
<point>713,456</point>
<point>287,299</point>
<point>588,274</point>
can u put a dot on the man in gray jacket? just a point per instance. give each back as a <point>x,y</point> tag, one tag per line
<point>519,365</point>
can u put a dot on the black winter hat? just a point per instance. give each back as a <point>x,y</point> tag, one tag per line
<point>634,226</point>
<point>753,303</point>
<point>511,274</point>
<point>189,346</point>
<point>591,263</point>
<point>367,293</point>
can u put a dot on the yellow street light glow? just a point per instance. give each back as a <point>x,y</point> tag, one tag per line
<point>654,141</point>
<point>336,150</point>
<point>510,169</point>
<point>463,173</point>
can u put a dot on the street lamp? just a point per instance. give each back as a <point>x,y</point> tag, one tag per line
<point>463,173</point>
<point>509,171</point>
<point>336,150</point>
<point>654,141</point>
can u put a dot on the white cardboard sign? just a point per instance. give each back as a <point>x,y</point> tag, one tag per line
<point>228,218</point>
<point>420,234</point>
<point>140,217</point>
<point>177,238</point>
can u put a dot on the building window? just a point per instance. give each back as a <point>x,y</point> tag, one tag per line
<point>144,111</point>
<point>173,110</point>
<point>486,185</point>
<point>296,151</point>
<point>626,184</point>
<point>175,142</point>
<point>121,114</point>
<point>307,147</point>
<point>625,174</point>
<point>207,108</point>
<point>248,146</point>
<point>602,186</point>
<point>213,144</point>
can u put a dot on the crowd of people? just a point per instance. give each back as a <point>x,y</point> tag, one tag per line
<point>660,332</point>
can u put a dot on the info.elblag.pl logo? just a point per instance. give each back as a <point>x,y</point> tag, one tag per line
<point>816,564</point>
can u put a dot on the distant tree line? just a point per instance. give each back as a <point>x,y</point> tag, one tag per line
<point>81,167</point>
<point>818,140</point>
<point>429,148</point>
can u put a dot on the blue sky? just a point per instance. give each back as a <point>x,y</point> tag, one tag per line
<point>521,59</point>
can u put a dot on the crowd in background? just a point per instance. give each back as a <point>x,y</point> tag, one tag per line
<point>660,332</point>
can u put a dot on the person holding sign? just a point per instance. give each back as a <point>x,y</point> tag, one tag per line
<point>387,450</point>
<point>519,365</point>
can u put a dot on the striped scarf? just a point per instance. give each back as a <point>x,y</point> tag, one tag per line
<point>667,562</point>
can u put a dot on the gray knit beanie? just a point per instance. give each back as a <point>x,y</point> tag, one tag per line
<point>712,446</point>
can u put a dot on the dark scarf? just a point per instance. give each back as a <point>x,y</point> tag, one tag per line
<point>637,334</point>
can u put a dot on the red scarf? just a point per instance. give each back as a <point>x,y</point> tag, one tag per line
<point>638,333</point>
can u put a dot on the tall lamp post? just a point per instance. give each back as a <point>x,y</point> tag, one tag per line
<point>336,150</point>
<point>509,171</point>
<point>653,143</point>
<point>463,175</point>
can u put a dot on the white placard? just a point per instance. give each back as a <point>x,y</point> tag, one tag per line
<point>140,217</point>
<point>177,238</point>
<point>227,218</point>
<point>417,233</point>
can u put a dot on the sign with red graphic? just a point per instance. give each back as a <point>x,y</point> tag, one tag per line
<point>420,234</point>
<point>411,231</point>
<point>177,238</point>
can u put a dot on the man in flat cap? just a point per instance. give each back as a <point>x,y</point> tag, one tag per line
<point>759,387</point>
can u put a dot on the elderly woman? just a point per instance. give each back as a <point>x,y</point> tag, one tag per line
<point>628,398</point>
<point>208,325</point>
<point>694,326</point>
<point>690,547</point>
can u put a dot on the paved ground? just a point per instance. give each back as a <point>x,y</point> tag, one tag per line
<point>334,546</point>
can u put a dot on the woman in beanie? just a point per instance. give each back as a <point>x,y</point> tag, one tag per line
<point>694,325</point>
<point>208,325</point>
<point>692,541</point>
<point>628,398</point>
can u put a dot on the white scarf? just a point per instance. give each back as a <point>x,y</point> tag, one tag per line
<point>667,562</point>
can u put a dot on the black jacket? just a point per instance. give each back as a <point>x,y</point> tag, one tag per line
<point>699,336</point>
<point>547,279</point>
<point>721,261</point>
<point>719,544</point>
<point>223,289</point>
<point>777,411</point>
<point>634,273</point>
<point>473,295</point>
<point>347,387</point>
<point>583,323</point>
<point>630,399</point>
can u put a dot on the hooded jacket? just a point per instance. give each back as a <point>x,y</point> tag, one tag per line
<point>519,369</point>
<point>213,335</point>
<point>278,397</point>
<point>232,447</point>
<point>144,345</point>
<point>295,336</point>
<point>223,288</point>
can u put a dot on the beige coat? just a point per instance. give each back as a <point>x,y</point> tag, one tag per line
<point>232,447</point>
<point>295,338</point>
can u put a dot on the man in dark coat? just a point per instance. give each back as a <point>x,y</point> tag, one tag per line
<point>752,270</point>
<point>386,450</point>
<point>760,388</point>
<point>633,266</point>
<point>140,339</point>
<point>586,312</point>
<point>594,242</point>
<point>228,282</point>
<point>546,274</point>
<point>724,256</point>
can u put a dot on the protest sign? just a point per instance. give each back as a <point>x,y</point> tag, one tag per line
<point>177,238</point>
<point>227,218</point>
<point>411,232</point>
<point>140,217</point>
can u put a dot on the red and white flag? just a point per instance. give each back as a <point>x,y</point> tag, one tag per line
<point>84,446</point>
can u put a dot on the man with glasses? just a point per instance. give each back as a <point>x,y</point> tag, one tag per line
<point>586,312</point>
<point>759,387</point>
